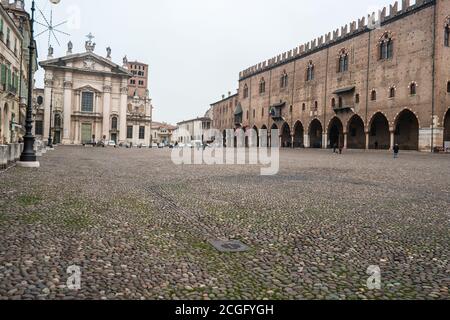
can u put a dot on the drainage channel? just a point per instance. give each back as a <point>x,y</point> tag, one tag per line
<point>195,222</point>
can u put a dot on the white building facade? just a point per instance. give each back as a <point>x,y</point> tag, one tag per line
<point>86,98</point>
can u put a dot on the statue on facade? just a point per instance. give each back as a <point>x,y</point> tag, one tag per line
<point>108,53</point>
<point>69,47</point>
<point>50,51</point>
<point>125,61</point>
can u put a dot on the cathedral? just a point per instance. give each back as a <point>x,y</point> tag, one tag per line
<point>88,98</point>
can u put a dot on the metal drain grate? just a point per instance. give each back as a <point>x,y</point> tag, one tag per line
<point>229,246</point>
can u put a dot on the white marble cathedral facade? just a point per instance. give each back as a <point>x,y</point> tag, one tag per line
<point>89,98</point>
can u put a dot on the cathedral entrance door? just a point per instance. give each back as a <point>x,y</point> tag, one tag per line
<point>57,137</point>
<point>86,133</point>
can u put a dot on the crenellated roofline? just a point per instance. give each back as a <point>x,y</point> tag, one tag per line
<point>345,33</point>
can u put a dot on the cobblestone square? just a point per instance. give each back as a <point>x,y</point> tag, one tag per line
<point>139,227</point>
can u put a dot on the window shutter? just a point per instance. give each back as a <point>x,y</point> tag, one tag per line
<point>3,76</point>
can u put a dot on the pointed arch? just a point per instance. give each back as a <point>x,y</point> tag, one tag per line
<point>335,133</point>
<point>407,130</point>
<point>447,127</point>
<point>286,140</point>
<point>356,137</point>
<point>379,134</point>
<point>299,134</point>
<point>315,132</point>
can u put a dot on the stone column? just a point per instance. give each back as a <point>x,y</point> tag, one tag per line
<point>345,140</point>
<point>306,141</point>
<point>77,101</point>
<point>292,141</point>
<point>47,99</point>
<point>106,109</point>
<point>367,141</point>
<point>77,133</point>
<point>325,140</point>
<point>136,134</point>
<point>123,113</point>
<point>392,132</point>
<point>67,113</point>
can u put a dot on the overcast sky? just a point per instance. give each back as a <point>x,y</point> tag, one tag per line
<point>195,48</point>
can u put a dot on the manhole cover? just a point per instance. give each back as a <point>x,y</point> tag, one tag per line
<point>229,246</point>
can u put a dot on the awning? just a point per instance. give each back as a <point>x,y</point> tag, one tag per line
<point>344,90</point>
<point>238,110</point>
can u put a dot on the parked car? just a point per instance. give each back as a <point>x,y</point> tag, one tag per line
<point>154,145</point>
<point>112,143</point>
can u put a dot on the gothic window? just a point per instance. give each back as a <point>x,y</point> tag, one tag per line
<point>262,86</point>
<point>448,87</point>
<point>284,80</point>
<point>254,113</point>
<point>141,133</point>
<point>245,91</point>
<point>386,46</point>
<point>357,98</point>
<point>316,106</point>
<point>343,61</point>
<point>340,102</point>
<point>412,88</point>
<point>87,102</point>
<point>310,72</point>
<point>303,107</point>
<point>333,102</point>
<point>392,92</point>
<point>114,123</point>
<point>373,95</point>
<point>262,112</point>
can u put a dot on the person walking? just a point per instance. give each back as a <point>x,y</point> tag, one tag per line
<point>396,151</point>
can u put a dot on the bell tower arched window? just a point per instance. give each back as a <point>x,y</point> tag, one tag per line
<point>245,91</point>
<point>262,86</point>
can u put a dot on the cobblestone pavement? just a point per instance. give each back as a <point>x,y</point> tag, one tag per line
<point>138,226</point>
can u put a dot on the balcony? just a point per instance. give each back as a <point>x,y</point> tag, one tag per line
<point>276,111</point>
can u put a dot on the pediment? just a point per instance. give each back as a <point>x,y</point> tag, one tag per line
<point>87,61</point>
<point>87,88</point>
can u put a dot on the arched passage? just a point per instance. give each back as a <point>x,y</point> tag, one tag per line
<point>336,133</point>
<point>224,138</point>
<point>254,137</point>
<point>264,139</point>
<point>447,127</point>
<point>356,137</point>
<point>315,134</point>
<point>379,136</point>
<point>407,131</point>
<point>299,135</point>
<point>273,139</point>
<point>286,141</point>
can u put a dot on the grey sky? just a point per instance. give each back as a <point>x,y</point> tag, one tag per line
<point>196,48</point>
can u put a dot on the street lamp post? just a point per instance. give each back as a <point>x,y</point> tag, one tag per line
<point>28,158</point>
<point>50,139</point>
